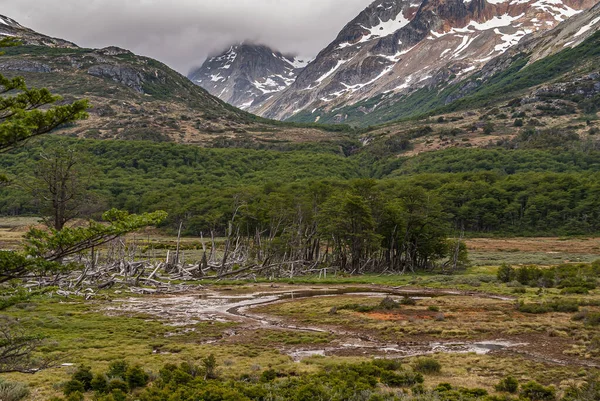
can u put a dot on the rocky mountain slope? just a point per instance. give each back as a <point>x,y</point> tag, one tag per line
<point>135,97</point>
<point>246,75</point>
<point>565,55</point>
<point>397,47</point>
<point>10,27</point>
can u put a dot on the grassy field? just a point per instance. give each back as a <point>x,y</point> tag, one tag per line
<point>303,334</point>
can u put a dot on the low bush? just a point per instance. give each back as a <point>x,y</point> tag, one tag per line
<point>427,366</point>
<point>534,391</point>
<point>12,391</point>
<point>508,385</point>
<point>85,376</point>
<point>404,379</point>
<point>73,386</point>
<point>541,308</point>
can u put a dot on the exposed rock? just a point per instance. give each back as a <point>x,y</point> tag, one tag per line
<point>247,74</point>
<point>113,51</point>
<point>122,74</point>
<point>24,66</point>
<point>399,46</point>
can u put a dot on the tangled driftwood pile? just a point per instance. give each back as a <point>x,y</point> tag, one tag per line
<point>120,266</point>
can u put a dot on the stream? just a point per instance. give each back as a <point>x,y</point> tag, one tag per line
<point>219,306</point>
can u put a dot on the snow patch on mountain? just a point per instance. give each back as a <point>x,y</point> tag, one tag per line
<point>587,27</point>
<point>385,28</point>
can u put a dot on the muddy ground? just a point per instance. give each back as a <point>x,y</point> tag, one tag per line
<point>441,321</point>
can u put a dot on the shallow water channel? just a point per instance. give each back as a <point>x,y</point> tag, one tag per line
<point>219,306</point>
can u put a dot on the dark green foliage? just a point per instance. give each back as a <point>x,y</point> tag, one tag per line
<point>427,366</point>
<point>268,376</point>
<point>136,377</point>
<point>84,375</point>
<point>387,364</point>
<point>99,383</point>
<point>210,367</point>
<point>541,308</point>
<point>73,386</point>
<point>115,383</point>
<point>506,273</point>
<point>526,192</point>
<point>117,369</point>
<point>533,391</point>
<point>509,385</point>
<point>404,379</point>
<point>76,396</point>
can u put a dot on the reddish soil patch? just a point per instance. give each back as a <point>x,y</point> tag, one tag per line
<point>400,315</point>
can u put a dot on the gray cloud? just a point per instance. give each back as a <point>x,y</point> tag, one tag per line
<point>182,33</point>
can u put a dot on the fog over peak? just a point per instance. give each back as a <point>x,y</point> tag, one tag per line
<point>182,33</point>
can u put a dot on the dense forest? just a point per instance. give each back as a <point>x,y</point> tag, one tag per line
<point>492,191</point>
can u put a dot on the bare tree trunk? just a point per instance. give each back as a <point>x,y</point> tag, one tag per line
<point>178,243</point>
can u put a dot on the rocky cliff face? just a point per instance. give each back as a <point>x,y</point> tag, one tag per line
<point>398,46</point>
<point>247,75</point>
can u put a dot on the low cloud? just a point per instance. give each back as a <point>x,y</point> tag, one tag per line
<point>181,33</point>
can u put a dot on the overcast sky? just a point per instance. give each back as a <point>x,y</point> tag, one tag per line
<point>182,33</point>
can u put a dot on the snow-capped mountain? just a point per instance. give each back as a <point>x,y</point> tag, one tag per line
<point>10,27</point>
<point>246,75</point>
<point>398,46</point>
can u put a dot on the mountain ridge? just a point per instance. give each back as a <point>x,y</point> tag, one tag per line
<point>136,97</point>
<point>247,74</point>
<point>424,44</point>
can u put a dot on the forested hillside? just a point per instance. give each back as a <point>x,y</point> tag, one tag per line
<point>523,192</point>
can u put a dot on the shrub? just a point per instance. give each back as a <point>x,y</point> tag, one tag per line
<point>589,318</point>
<point>427,366</point>
<point>433,308</point>
<point>99,384</point>
<point>408,301</point>
<point>506,273</point>
<point>556,306</point>
<point>268,376</point>
<point>76,396</point>
<point>73,386</point>
<point>534,391</point>
<point>508,385</point>
<point>387,364</point>
<point>575,290</point>
<point>405,379</point>
<point>12,391</point>
<point>117,369</point>
<point>136,377</point>
<point>117,384</point>
<point>210,367</point>
<point>388,304</point>
<point>85,376</point>
<point>518,122</point>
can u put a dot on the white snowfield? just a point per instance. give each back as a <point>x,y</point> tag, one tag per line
<point>587,27</point>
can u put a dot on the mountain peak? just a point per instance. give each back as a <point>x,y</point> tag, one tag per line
<point>9,22</point>
<point>10,27</point>
<point>246,74</point>
<point>400,46</point>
